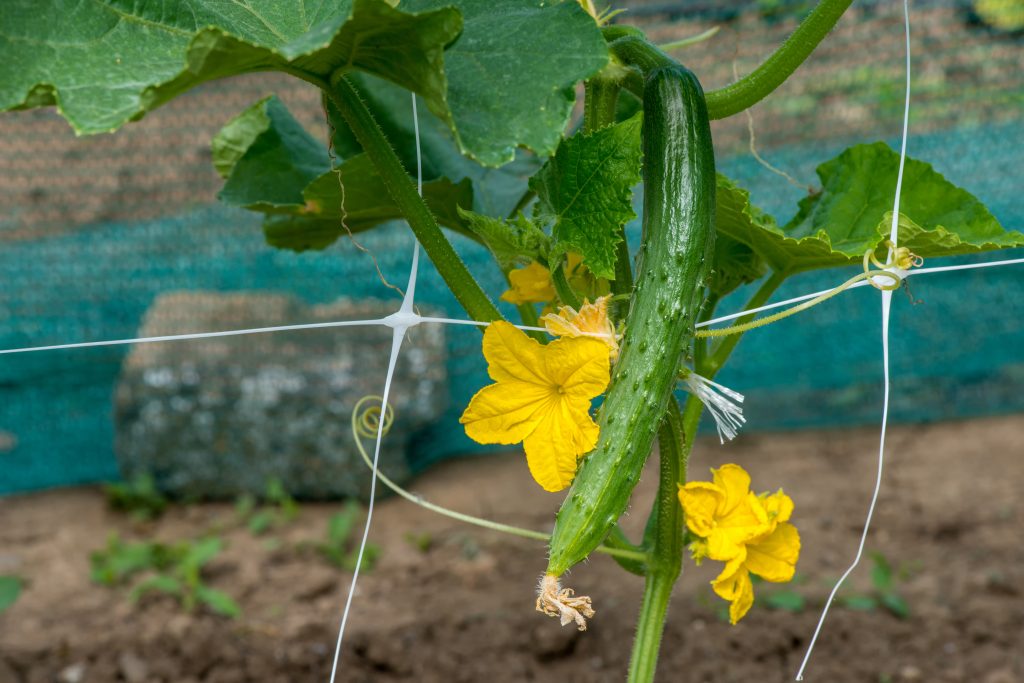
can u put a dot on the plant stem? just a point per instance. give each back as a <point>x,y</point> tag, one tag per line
<point>634,50</point>
<point>401,188</point>
<point>753,87</point>
<point>600,100</point>
<point>665,561</point>
<point>562,287</point>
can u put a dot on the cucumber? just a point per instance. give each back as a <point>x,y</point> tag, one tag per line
<point>678,238</point>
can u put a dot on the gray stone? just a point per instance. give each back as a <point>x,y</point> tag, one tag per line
<point>218,417</point>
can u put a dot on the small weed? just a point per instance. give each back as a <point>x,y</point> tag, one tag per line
<point>10,589</point>
<point>339,548</point>
<point>170,569</point>
<point>885,593</point>
<point>279,509</point>
<point>423,541</point>
<point>138,497</point>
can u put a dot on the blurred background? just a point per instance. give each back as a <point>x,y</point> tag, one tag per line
<point>122,235</point>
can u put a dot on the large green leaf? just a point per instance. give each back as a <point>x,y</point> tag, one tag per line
<point>274,166</point>
<point>738,219</point>
<point>853,211</point>
<point>267,158</point>
<point>586,192</point>
<point>105,62</point>
<point>510,72</point>
<point>317,221</point>
<point>734,264</point>
<point>496,191</point>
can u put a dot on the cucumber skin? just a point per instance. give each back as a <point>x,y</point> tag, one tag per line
<point>678,227</point>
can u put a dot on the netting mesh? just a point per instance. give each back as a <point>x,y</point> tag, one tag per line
<point>93,229</point>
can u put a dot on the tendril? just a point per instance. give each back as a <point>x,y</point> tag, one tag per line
<point>887,277</point>
<point>366,418</point>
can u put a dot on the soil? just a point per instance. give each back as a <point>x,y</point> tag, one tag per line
<point>447,602</point>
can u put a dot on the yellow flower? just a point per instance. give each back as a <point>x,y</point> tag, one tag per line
<point>541,397</point>
<point>591,321</point>
<point>532,284</point>
<point>529,285</point>
<point>750,533</point>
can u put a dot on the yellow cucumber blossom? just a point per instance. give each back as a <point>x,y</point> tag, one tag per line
<point>529,285</point>
<point>590,321</point>
<point>541,396</point>
<point>750,533</point>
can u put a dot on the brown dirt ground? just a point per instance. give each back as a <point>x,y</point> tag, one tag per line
<point>462,610</point>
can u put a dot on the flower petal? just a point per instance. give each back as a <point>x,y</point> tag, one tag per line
<point>580,366</point>
<point>700,501</point>
<point>735,482</point>
<point>553,449</point>
<point>778,505</point>
<point>774,558</point>
<point>744,523</point>
<point>738,589</point>
<point>531,284</point>
<point>506,413</point>
<point>513,356</point>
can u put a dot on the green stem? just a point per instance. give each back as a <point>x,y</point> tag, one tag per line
<point>753,87</point>
<point>401,188</point>
<point>666,555</point>
<point>724,349</point>
<point>600,100</point>
<point>634,50</point>
<point>565,292</point>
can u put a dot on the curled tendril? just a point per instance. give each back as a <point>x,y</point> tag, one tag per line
<point>887,277</point>
<point>366,424</point>
<point>366,417</point>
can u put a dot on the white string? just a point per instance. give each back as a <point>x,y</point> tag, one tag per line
<point>199,335</point>
<point>455,321</point>
<point>886,306</point>
<point>400,322</point>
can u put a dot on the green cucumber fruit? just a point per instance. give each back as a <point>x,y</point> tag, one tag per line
<point>678,237</point>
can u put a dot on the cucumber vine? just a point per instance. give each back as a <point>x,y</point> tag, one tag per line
<point>645,116</point>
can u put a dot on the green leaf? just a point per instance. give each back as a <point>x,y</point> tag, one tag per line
<point>316,223</point>
<point>788,601</point>
<point>496,192</point>
<point>860,603</point>
<point>586,191</point>
<point>736,218</point>
<point>267,158</point>
<point>219,602</point>
<point>201,552</point>
<point>274,166</point>
<point>156,584</point>
<point>511,71</point>
<point>881,572</point>
<point>852,213</point>
<point>513,242</point>
<point>10,589</point>
<point>896,604</point>
<point>735,264</point>
<point>104,63</point>
<point>119,561</point>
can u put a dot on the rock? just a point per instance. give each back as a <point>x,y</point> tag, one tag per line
<point>132,668</point>
<point>218,417</point>
<point>72,674</point>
